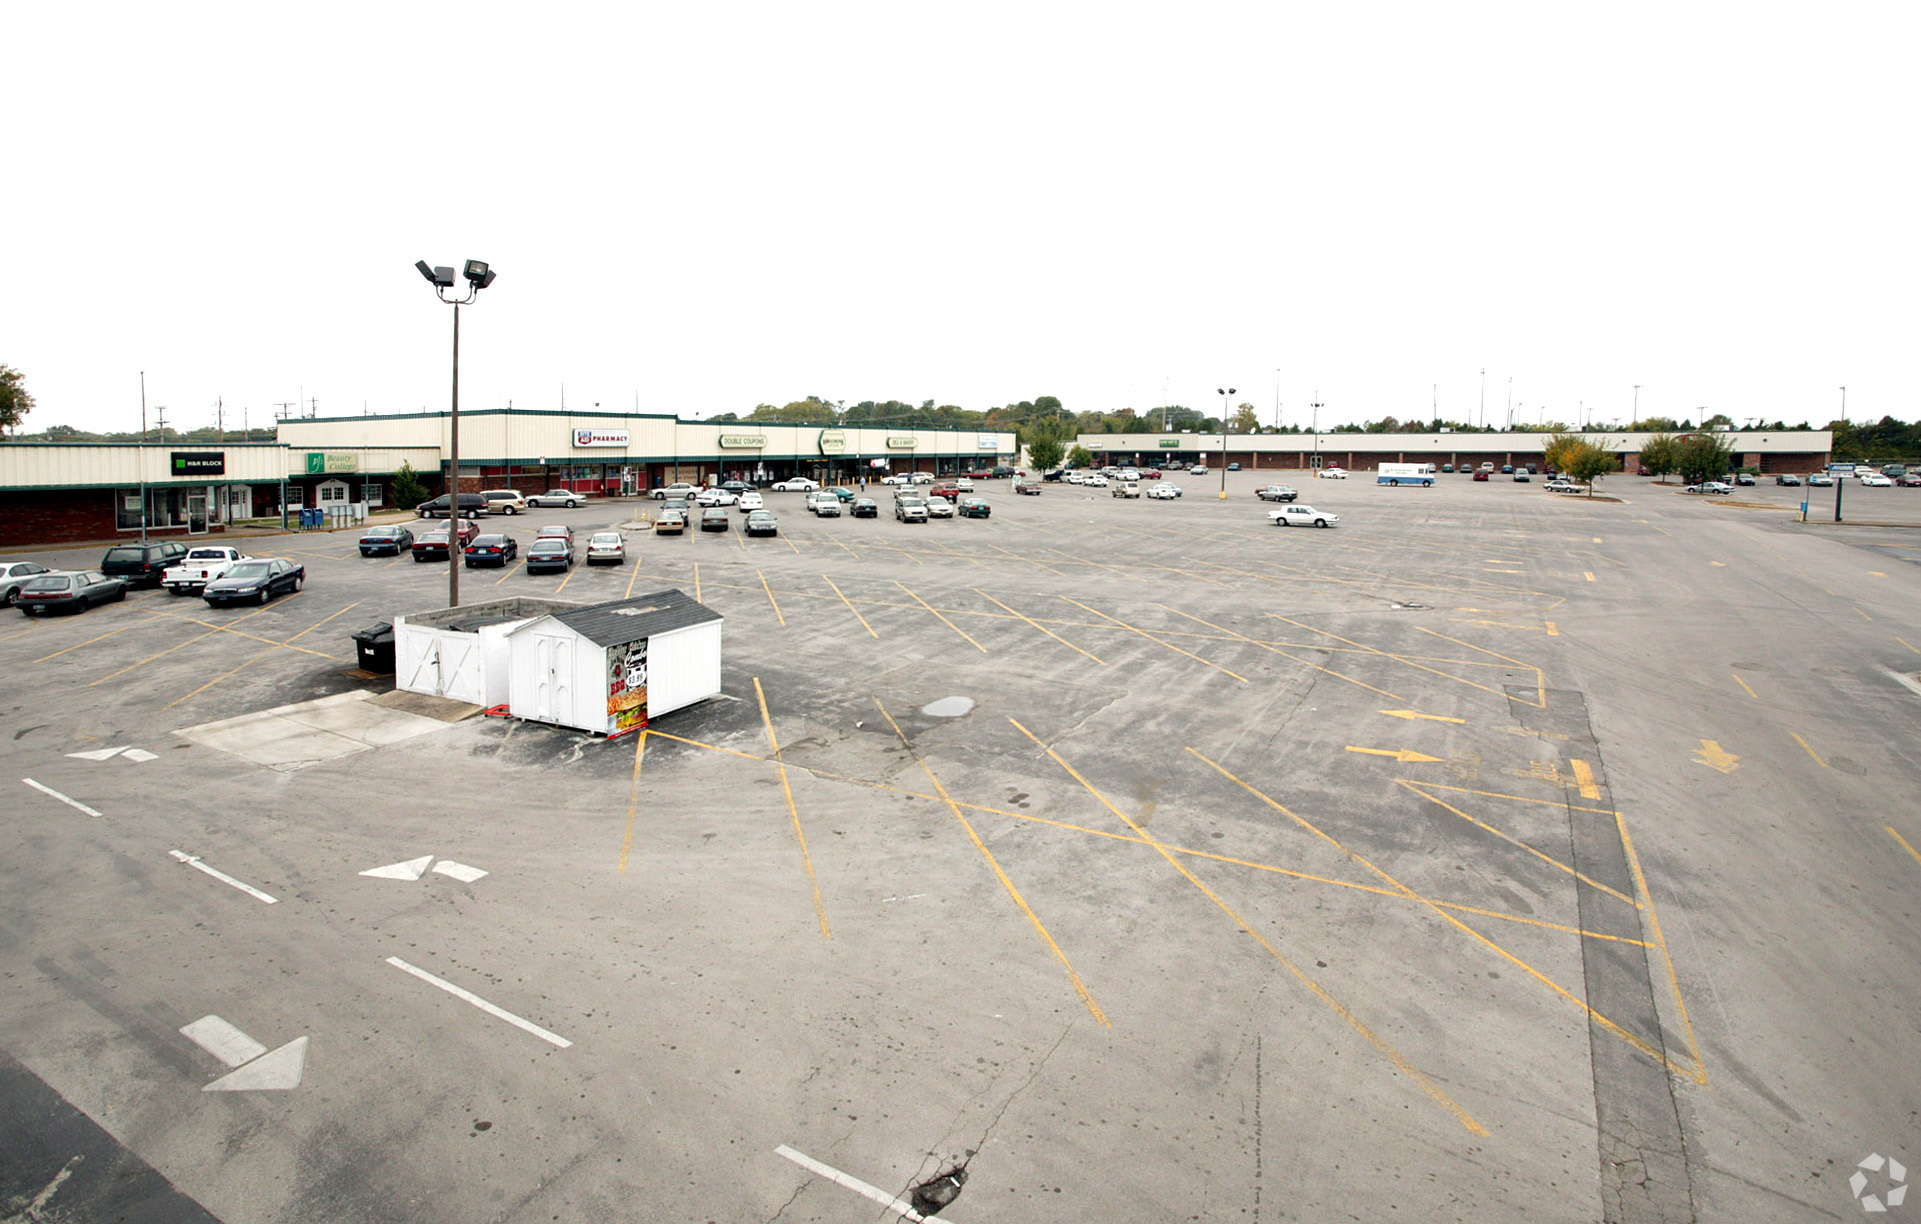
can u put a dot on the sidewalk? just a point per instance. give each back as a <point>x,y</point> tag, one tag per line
<point>254,529</point>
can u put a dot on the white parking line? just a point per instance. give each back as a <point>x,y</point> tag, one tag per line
<point>853,1183</point>
<point>48,790</point>
<point>481,1003</point>
<point>194,862</point>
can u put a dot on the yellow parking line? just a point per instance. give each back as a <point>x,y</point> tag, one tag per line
<point>851,607</point>
<point>820,907</point>
<point>1277,650</point>
<point>1150,637</point>
<point>216,680</point>
<point>1654,921</point>
<point>1811,752</point>
<point>508,573</point>
<point>696,582</point>
<point>1904,842</point>
<point>1584,778</point>
<point>33,628</point>
<point>629,593</point>
<point>771,599</point>
<point>1907,643</point>
<point>943,620</point>
<point>90,641</point>
<point>1080,987</point>
<point>1744,684</point>
<point>633,801</point>
<point>310,628</point>
<point>1036,624</point>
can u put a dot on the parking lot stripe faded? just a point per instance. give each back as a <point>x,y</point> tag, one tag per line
<point>1340,1009</point>
<point>1036,624</point>
<point>1277,650</point>
<point>850,607</point>
<point>1904,843</point>
<point>778,615</point>
<point>943,620</point>
<point>216,680</point>
<point>1080,987</point>
<point>1157,641</point>
<point>90,641</point>
<point>633,798</point>
<point>169,650</point>
<point>820,907</point>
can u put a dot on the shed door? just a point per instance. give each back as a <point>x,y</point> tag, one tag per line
<point>553,679</point>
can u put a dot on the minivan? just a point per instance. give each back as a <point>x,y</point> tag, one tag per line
<point>472,505</point>
<point>503,501</point>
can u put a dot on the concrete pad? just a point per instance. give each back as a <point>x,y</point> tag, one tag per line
<point>295,736</point>
<point>426,704</point>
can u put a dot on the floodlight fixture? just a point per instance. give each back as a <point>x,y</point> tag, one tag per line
<point>441,277</point>
<point>477,274</point>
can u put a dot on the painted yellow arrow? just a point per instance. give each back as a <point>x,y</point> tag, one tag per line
<point>1417,714</point>
<point>1716,757</point>
<point>1399,754</point>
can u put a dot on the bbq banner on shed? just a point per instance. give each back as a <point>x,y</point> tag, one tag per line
<point>627,687</point>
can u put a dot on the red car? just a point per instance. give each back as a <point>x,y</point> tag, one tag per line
<point>982,474</point>
<point>1150,474</point>
<point>947,489</point>
<point>1480,475</point>
<point>433,545</point>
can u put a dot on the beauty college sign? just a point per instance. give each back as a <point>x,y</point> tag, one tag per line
<point>601,437</point>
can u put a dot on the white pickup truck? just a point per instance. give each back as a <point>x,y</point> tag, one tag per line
<point>199,567</point>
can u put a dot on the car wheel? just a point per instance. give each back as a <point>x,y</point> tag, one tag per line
<point>13,597</point>
<point>1281,521</point>
<point>120,595</point>
<point>261,597</point>
<point>1320,522</point>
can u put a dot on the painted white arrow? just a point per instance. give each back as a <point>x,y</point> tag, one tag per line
<point>258,1069</point>
<point>98,754</point>
<point>412,869</point>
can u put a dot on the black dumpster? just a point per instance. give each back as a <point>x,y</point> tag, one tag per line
<point>376,643</point>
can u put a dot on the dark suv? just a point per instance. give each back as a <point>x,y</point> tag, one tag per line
<point>141,564</point>
<point>472,505</point>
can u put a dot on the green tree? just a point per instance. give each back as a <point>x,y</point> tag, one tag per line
<point>1659,454</point>
<point>407,490</point>
<point>1559,449</point>
<point>1654,425</point>
<point>1245,420</point>
<point>1703,456</point>
<point>15,401</point>
<point>1080,456</point>
<point>1587,463</point>
<point>1045,453</point>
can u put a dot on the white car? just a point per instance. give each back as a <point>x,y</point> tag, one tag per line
<point>1875,480</point>
<point>1199,469</point>
<point>1331,474</point>
<point>1712,486</point>
<point>1075,477</point>
<point>1164,491</point>
<point>1095,481</point>
<point>824,505</point>
<point>964,484</point>
<point>669,492</point>
<point>921,478</point>
<point>911,509</point>
<point>14,575</point>
<point>751,500</point>
<point>606,547</point>
<point>559,497</point>
<point>893,480</point>
<point>798,484</point>
<point>715,497</point>
<point>1302,516</point>
<point>1128,474</point>
<point>939,507</point>
<point>1123,488</point>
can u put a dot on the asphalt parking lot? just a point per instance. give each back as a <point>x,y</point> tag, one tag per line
<point>1565,852</point>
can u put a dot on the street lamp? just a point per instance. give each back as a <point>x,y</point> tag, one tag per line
<point>1224,394</point>
<point>479,276</point>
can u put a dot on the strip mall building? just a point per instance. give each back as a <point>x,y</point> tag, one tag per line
<point>1794,450</point>
<point>65,492</point>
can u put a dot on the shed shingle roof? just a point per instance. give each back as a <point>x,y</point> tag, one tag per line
<point>628,620</point>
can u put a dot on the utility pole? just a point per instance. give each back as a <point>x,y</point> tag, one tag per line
<point>220,418</point>
<point>1844,405</point>
<point>1637,403</point>
<point>143,456</point>
<point>1510,401</point>
<point>1480,417</point>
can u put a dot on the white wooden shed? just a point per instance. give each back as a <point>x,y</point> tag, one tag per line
<point>462,653</point>
<point>608,668</point>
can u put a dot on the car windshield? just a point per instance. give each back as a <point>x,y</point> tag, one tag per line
<point>52,582</point>
<point>249,569</point>
<point>381,533</point>
<point>549,546</point>
<point>606,537</point>
<point>489,541</point>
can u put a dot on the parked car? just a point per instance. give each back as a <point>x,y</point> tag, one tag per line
<point>1787,478</point>
<point>142,564</point>
<point>1028,487</point>
<point>1742,478</point>
<point>1332,473</point>
<point>556,531</point>
<point>1911,481</point>
<point>1166,491</point>
<point>795,484</point>
<point>762,522</point>
<point>255,580</point>
<point>1298,515</point>
<point>672,522</point>
<point>1711,486</point>
<point>716,518</point>
<point>377,540</point>
<point>1447,467</point>
<point>566,499</point>
<point>751,500</point>
<point>899,478</point>
<point>939,507</point>
<point>606,548</point>
<point>739,488</point>
<point>1820,480</point>
<point>681,490</point>
<point>13,575</point>
<point>491,550</point>
<point>1199,469</point>
<point>715,497</point>
<point>202,564</point>
<point>978,474</point>
<point>550,553</point>
<point>1151,474</point>
<point>62,591</point>
<point>1003,472</point>
<point>1277,493</point>
<point>824,504</point>
<point>1563,486</point>
<point>910,509</point>
<point>920,478</point>
<point>974,507</point>
<point>472,505</point>
<point>1875,480</point>
<point>1521,476</point>
<point>1094,480</point>
<point>433,546</point>
<point>1482,474</point>
<point>865,507</point>
<point>504,501</point>
<point>1125,488</point>
<point>947,489</point>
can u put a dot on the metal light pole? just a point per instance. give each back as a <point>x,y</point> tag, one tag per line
<point>1224,394</point>
<point>1316,426</point>
<point>1637,402</point>
<point>141,458</point>
<point>479,276</point>
<point>1480,417</point>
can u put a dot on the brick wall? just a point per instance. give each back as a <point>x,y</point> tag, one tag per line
<point>56,516</point>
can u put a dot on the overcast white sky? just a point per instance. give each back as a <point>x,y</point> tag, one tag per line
<point>703,207</point>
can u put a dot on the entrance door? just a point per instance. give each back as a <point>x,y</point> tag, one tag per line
<point>197,513</point>
<point>553,679</point>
